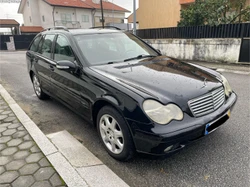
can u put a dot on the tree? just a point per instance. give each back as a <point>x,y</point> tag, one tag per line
<point>215,12</point>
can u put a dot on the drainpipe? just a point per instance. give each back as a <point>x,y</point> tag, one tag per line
<point>53,15</point>
<point>93,11</point>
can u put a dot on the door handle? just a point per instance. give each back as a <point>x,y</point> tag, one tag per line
<point>36,59</point>
<point>51,68</point>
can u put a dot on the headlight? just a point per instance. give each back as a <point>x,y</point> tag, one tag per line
<point>162,114</point>
<point>227,87</point>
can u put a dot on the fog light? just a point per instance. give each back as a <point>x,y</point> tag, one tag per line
<point>168,148</point>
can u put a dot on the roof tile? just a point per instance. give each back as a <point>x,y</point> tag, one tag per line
<point>86,4</point>
<point>31,29</point>
<point>8,22</point>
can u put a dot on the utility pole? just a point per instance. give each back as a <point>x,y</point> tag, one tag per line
<point>134,29</point>
<point>102,14</point>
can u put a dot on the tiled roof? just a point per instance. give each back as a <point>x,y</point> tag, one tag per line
<point>31,29</point>
<point>8,22</point>
<point>86,4</point>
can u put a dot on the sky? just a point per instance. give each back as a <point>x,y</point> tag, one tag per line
<point>9,10</point>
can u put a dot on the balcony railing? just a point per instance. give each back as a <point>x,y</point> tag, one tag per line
<point>68,24</point>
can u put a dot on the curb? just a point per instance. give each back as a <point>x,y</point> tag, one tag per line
<point>72,176</point>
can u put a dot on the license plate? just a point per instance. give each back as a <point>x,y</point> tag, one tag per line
<point>211,127</point>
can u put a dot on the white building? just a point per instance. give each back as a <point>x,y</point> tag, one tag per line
<point>69,13</point>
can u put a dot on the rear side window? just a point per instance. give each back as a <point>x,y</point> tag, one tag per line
<point>46,46</point>
<point>34,45</point>
<point>63,50</point>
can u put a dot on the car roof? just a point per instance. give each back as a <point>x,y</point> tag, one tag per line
<point>83,31</point>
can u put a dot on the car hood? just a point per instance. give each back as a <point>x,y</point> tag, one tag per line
<point>162,78</point>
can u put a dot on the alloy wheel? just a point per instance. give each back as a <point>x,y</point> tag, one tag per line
<point>37,86</point>
<point>111,134</point>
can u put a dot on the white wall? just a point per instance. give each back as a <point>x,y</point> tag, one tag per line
<point>80,13</point>
<point>26,15</point>
<point>216,50</point>
<point>46,11</point>
<point>120,15</point>
<point>35,12</point>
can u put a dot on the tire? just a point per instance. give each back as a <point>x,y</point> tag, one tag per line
<point>114,134</point>
<point>38,89</point>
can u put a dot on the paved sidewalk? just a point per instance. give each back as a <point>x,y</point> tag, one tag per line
<point>22,164</point>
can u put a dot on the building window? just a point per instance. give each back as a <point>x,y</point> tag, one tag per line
<point>66,17</point>
<point>43,18</point>
<point>85,18</point>
<point>30,19</point>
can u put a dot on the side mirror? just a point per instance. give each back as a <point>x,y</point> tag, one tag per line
<point>65,65</point>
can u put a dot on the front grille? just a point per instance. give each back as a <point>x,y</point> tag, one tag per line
<point>207,103</point>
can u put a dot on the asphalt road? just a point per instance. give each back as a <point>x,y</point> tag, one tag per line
<point>220,159</point>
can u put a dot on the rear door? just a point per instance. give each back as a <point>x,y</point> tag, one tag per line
<point>43,61</point>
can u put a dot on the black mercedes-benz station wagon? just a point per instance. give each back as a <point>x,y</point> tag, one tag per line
<point>138,99</point>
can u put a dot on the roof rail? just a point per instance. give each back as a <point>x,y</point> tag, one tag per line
<point>57,28</point>
<point>100,27</point>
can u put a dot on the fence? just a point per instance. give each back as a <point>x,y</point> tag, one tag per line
<point>21,42</point>
<point>222,31</point>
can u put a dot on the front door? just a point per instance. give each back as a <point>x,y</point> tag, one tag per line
<point>66,82</point>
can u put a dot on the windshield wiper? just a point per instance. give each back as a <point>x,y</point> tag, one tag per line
<point>139,57</point>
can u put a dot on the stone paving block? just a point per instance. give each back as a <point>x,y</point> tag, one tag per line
<point>41,184</point>
<point>35,149</point>
<point>9,132</point>
<point>5,139</point>
<point>21,154</point>
<point>2,117</point>
<point>20,128</point>
<point>34,157</point>
<point>11,115</point>
<point>26,145</point>
<point>1,111</point>
<point>44,173</point>
<point>10,119</point>
<point>4,107</point>
<point>2,129</point>
<point>5,185</point>
<point>4,124</point>
<point>14,142</point>
<point>19,134</point>
<point>23,181</point>
<point>7,112</point>
<point>2,146</point>
<point>9,151</point>
<point>56,180</point>
<point>44,162</point>
<point>8,177</point>
<point>29,169</point>
<point>2,169</point>
<point>14,126</point>
<point>15,165</point>
<point>4,160</point>
<point>27,137</point>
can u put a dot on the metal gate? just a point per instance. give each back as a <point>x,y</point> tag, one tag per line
<point>245,51</point>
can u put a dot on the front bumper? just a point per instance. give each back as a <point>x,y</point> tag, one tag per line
<point>155,139</point>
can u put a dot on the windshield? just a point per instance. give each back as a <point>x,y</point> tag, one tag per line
<point>112,47</point>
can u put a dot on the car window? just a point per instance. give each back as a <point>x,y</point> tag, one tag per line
<point>46,45</point>
<point>34,45</point>
<point>63,50</point>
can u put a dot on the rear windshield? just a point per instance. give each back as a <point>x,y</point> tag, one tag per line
<point>111,47</point>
